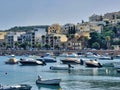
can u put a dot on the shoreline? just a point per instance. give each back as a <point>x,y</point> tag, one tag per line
<point>56,52</point>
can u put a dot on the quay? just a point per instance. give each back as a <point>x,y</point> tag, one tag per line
<point>56,52</point>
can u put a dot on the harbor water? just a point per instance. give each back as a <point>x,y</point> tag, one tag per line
<point>78,78</point>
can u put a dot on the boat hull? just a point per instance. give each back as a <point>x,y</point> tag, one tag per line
<point>17,87</point>
<point>59,68</point>
<point>30,63</point>
<point>49,82</point>
<point>93,64</point>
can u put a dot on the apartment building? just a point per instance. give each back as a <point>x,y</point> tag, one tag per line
<point>32,37</point>
<point>2,38</point>
<point>68,29</point>
<point>54,29</point>
<point>54,40</point>
<point>12,37</point>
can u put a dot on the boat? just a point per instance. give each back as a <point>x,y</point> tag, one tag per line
<point>12,60</point>
<point>67,67</point>
<point>63,55</point>
<point>93,63</point>
<point>73,55</point>
<point>71,61</point>
<point>118,70</point>
<point>105,58</point>
<point>46,59</point>
<point>91,55</point>
<point>16,87</point>
<point>48,82</point>
<point>31,62</point>
<point>117,57</point>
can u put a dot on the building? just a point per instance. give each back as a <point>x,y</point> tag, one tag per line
<point>84,29</point>
<point>54,40</point>
<point>12,38</point>
<point>68,29</point>
<point>33,37</point>
<point>2,38</point>
<point>54,29</point>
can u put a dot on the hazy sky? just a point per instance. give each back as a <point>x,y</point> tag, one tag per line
<point>42,12</point>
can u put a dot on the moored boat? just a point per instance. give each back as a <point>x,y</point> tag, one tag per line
<point>71,61</point>
<point>46,59</point>
<point>48,82</point>
<point>16,87</point>
<point>12,60</point>
<point>66,67</point>
<point>31,62</point>
<point>93,63</point>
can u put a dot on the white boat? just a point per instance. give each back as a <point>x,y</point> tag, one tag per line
<point>65,67</point>
<point>16,87</point>
<point>91,55</point>
<point>63,55</point>
<point>31,62</point>
<point>11,60</point>
<point>48,82</point>
<point>73,55</point>
<point>93,63</point>
<point>71,61</point>
<point>105,58</point>
<point>47,59</point>
<point>117,57</point>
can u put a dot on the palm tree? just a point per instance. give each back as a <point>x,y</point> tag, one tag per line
<point>43,39</point>
<point>108,41</point>
<point>4,45</point>
<point>55,38</point>
<point>17,44</point>
<point>73,40</point>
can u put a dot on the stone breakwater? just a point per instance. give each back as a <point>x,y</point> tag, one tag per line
<point>56,52</point>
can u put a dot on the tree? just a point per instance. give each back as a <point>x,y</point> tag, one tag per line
<point>96,45</point>
<point>38,45</point>
<point>108,41</point>
<point>17,44</point>
<point>55,38</point>
<point>43,39</point>
<point>47,46</point>
<point>4,44</point>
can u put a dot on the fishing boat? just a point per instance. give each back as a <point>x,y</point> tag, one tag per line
<point>16,87</point>
<point>48,82</point>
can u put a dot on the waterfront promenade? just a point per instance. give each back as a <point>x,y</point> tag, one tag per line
<point>56,52</point>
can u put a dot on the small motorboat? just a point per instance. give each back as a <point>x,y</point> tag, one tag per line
<point>118,70</point>
<point>73,55</point>
<point>66,67</point>
<point>16,87</point>
<point>105,58</point>
<point>71,61</point>
<point>93,63</point>
<point>48,82</point>
<point>46,59</point>
<point>12,60</point>
<point>31,62</point>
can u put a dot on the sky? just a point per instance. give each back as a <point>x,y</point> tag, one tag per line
<point>47,12</point>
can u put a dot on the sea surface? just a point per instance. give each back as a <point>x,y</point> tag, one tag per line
<point>79,78</point>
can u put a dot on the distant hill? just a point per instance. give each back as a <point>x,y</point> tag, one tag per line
<point>26,28</point>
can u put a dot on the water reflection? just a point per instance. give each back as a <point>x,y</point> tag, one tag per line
<point>49,87</point>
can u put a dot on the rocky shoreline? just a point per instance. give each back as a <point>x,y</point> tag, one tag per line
<point>56,52</point>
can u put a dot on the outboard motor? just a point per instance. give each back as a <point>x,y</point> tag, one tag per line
<point>81,62</point>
